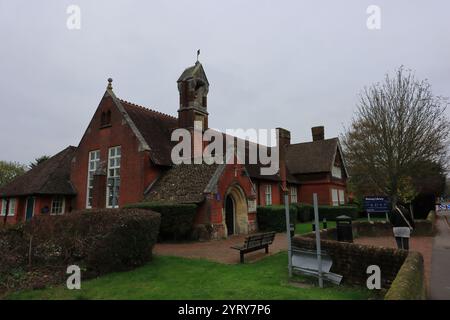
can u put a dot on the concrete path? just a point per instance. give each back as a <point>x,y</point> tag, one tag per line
<point>440,263</point>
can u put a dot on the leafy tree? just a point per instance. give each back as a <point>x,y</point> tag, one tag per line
<point>9,171</point>
<point>38,161</point>
<point>399,130</point>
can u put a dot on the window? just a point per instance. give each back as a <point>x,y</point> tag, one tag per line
<point>268,195</point>
<point>93,165</point>
<point>336,172</point>
<point>334,197</point>
<point>293,194</point>
<point>341,197</point>
<point>57,205</point>
<point>105,119</point>
<point>11,209</point>
<point>112,193</point>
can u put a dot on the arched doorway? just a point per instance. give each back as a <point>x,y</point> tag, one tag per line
<point>235,217</point>
<point>229,214</point>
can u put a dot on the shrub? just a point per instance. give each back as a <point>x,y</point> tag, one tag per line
<point>273,218</point>
<point>14,248</point>
<point>177,220</point>
<point>100,241</point>
<point>331,212</point>
<point>305,212</point>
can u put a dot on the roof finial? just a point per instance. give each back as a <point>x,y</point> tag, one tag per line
<point>110,80</point>
<point>198,53</point>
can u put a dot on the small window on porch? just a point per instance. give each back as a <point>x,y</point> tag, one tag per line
<point>11,208</point>
<point>57,205</point>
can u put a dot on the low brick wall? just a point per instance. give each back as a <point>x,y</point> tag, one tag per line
<point>410,282</point>
<point>351,260</point>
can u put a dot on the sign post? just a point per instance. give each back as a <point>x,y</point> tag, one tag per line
<point>376,204</point>
<point>288,229</point>
<point>319,251</point>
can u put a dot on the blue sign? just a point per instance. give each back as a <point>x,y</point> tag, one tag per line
<point>376,204</point>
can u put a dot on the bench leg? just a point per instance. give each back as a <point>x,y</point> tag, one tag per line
<point>267,249</point>
<point>242,257</point>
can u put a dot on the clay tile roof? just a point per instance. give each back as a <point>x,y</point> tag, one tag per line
<point>156,128</point>
<point>312,157</point>
<point>50,177</point>
<point>184,183</point>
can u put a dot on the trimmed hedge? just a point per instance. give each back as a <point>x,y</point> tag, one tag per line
<point>177,220</point>
<point>331,212</point>
<point>409,283</point>
<point>99,241</point>
<point>305,212</point>
<point>273,218</point>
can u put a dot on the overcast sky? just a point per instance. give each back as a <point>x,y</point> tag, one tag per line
<point>292,64</point>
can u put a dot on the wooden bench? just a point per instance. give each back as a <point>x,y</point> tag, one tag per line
<point>255,242</point>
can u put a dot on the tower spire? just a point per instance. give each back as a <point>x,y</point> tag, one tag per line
<point>198,54</point>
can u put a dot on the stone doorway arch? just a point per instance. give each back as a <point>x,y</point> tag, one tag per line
<point>236,198</point>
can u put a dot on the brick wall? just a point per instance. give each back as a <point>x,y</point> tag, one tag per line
<point>351,260</point>
<point>136,169</point>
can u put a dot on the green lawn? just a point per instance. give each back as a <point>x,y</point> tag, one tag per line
<point>181,278</point>
<point>305,227</point>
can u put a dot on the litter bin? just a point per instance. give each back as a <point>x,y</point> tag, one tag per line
<point>292,230</point>
<point>344,229</point>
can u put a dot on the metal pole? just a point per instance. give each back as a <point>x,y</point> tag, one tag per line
<point>288,228</point>
<point>319,251</point>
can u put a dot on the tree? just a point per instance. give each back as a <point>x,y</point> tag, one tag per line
<point>399,126</point>
<point>9,171</point>
<point>38,161</point>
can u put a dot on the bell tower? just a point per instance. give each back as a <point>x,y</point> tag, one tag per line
<point>193,87</point>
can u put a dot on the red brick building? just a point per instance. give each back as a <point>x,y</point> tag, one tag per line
<point>124,157</point>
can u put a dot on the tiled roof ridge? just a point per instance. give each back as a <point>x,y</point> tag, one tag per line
<point>308,142</point>
<point>148,109</point>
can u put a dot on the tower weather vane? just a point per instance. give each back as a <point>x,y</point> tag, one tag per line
<point>198,53</point>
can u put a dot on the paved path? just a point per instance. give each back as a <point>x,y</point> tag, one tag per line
<point>219,250</point>
<point>440,267</point>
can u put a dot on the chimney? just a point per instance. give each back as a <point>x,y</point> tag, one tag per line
<point>284,140</point>
<point>318,133</point>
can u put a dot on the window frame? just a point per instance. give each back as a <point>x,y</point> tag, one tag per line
<point>89,187</point>
<point>335,203</point>
<point>268,195</point>
<point>336,172</point>
<point>341,194</point>
<point>62,207</point>
<point>13,207</point>
<point>292,194</point>
<point>115,176</point>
